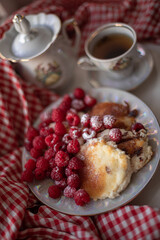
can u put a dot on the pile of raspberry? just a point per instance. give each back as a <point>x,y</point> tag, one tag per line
<point>55,144</point>
<point>53,147</point>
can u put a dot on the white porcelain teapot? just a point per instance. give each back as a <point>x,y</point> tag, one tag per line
<point>41,49</point>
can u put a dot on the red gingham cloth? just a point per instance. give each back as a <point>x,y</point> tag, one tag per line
<point>21,214</point>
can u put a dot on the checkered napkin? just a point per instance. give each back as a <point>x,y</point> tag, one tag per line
<point>21,214</point>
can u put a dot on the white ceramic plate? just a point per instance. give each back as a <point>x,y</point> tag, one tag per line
<point>138,180</point>
<point>142,69</point>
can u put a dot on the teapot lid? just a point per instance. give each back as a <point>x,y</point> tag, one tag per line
<point>29,36</point>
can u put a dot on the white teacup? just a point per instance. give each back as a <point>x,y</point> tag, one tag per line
<point>111,48</point>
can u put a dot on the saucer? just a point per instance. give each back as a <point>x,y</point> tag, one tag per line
<point>142,68</point>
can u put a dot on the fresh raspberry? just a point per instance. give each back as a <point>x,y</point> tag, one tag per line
<point>42,163</point>
<point>28,145</point>
<point>73,119</point>
<point>48,173</point>
<point>45,131</point>
<point>88,133</point>
<point>30,164</point>
<point>66,103</point>
<point>109,121</point>
<point>62,159</point>
<point>45,123</point>
<point>72,110</point>
<point>75,132</point>
<point>73,146</point>
<point>35,153</point>
<point>78,104</point>
<point>69,172</point>
<point>75,163</point>
<point>61,183</point>
<point>96,123</point>
<point>60,146</point>
<point>45,116</point>
<point>60,129</point>
<point>69,192</point>
<point>66,138</point>
<point>39,143</point>
<point>67,98</point>
<point>58,115</point>
<point>39,174</point>
<point>89,101</point>
<point>115,135</point>
<point>85,120</point>
<point>52,139</point>
<point>57,173</point>
<point>79,93</point>
<point>27,176</point>
<point>54,191</point>
<point>31,133</point>
<point>52,163</point>
<point>73,180</point>
<point>137,126</point>
<point>81,197</point>
<point>49,153</point>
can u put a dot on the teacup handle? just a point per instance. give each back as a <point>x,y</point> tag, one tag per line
<point>86,64</point>
<point>72,21</point>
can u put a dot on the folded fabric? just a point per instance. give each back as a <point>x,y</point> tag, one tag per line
<point>22,216</point>
<point>142,15</point>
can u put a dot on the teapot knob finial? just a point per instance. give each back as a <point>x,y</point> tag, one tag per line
<point>21,24</point>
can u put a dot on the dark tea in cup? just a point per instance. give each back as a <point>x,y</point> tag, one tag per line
<point>111,46</point>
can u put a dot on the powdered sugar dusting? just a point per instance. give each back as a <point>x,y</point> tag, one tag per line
<point>85,119</point>
<point>88,133</point>
<point>75,132</point>
<point>115,134</point>
<point>96,122</point>
<point>109,121</point>
<point>66,138</point>
<point>77,104</point>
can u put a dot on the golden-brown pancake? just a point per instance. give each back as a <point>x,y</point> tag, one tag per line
<point>116,109</point>
<point>107,169</point>
<point>137,148</point>
<point>122,113</point>
<point>134,144</point>
<point>109,165</point>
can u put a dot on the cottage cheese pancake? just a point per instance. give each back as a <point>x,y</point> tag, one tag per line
<point>134,144</point>
<point>124,117</point>
<point>107,169</point>
<point>137,147</point>
<point>116,109</point>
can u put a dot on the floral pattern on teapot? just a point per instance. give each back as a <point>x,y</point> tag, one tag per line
<point>48,74</point>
